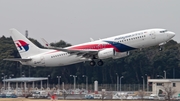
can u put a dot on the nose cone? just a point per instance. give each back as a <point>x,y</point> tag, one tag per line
<point>170,34</point>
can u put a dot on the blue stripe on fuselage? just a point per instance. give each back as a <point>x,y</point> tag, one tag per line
<point>121,47</point>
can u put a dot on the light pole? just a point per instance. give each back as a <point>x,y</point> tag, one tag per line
<point>11,76</point>
<point>74,80</point>
<point>164,74</point>
<point>117,88</point>
<point>22,74</point>
<point>48,81</point>
<point>120,82</point>
<point>160,76</point>
<point>86,81</point>
<point>143,82</point>
<point>4,77</point>
<point>58,81</point>
<point>173,72</point>
<point>147,83</point>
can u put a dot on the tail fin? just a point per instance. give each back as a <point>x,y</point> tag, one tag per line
<point>24,46</point>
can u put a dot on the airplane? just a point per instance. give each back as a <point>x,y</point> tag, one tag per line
<point>113,47</point>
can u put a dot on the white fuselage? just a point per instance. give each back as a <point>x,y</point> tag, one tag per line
<point>121,43</point>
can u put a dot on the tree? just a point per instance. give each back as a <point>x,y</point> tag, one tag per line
<point>148,61</point>
<point>169,91</point>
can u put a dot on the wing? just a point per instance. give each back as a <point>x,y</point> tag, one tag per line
<point>79,52</point>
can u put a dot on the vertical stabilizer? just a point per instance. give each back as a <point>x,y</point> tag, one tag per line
<point>24,46</point>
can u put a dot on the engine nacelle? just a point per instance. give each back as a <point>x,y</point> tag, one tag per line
<point>106,53</point>
<point>120,55</point>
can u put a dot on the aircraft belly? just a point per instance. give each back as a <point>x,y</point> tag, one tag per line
<point>71,60</point>
<point>62,61</point>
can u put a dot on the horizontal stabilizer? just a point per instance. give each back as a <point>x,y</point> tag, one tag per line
<point>17,59</point>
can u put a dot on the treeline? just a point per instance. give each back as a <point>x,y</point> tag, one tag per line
<point>145,62</point>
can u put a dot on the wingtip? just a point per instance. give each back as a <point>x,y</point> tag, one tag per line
<point>12,29</point>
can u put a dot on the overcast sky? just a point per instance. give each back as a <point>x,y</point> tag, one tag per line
<point>75,21</point>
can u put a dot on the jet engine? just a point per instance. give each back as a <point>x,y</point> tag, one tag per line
<point>120,55</point>
<point>106,53</point>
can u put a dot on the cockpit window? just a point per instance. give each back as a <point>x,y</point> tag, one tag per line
<point>163,31</point>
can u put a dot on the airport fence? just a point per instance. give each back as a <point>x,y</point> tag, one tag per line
<point>90,87</point>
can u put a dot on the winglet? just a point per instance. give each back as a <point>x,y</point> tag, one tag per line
<point>91,39</point>
<point>45,43</point>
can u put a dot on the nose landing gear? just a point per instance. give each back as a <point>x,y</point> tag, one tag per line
<point>160,48</point>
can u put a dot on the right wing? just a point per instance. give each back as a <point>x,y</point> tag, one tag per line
<point>79,52</point>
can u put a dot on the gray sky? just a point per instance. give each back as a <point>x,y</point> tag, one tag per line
<point>75,21</point>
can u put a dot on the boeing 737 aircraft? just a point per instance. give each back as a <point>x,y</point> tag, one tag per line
<point>113,47</point>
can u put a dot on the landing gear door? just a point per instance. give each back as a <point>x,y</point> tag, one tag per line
<point>152,34</point>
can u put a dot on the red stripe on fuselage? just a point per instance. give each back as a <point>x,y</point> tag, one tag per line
<point>53,51</point>
<point>95,46</point>
<point>89,46</point>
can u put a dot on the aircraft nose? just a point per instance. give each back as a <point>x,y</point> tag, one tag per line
<point>170,34</point>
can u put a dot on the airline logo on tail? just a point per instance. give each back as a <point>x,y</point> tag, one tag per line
<point>22,46</point>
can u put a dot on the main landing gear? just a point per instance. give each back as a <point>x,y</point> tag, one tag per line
<point>92,63</point>
<point>99,63</point>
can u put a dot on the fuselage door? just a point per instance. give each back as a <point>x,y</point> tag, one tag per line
<point>42,60</point>
<point>152,34</point>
